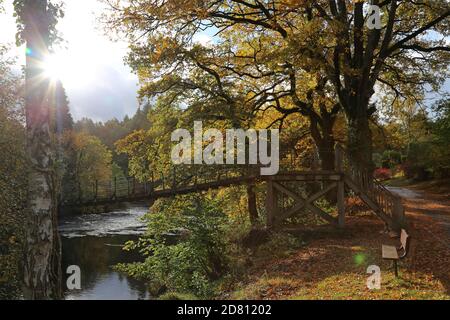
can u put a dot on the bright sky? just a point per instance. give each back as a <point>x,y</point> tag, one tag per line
<point>98,84</point>
<point>91,66</point>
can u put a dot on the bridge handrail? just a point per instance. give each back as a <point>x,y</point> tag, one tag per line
<point>388,202</point>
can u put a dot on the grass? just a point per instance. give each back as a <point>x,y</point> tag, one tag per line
<point>345,286</point>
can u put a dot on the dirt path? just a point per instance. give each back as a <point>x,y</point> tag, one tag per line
<point>418,202</point>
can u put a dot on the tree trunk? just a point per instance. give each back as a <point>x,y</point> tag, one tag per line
<point>42,267</point>
<point>252,207</point>
<point>324,140</point>
<point>360,141</point>
<point>326,154</point>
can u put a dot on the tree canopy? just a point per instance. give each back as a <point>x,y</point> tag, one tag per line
<point>307,57</point>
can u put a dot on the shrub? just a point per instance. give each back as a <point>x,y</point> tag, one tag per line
<point>391,158</point>
<point>184,246</point>
<point>383,174</point>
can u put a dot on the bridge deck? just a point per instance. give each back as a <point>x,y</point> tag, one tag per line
<point>139,192</point>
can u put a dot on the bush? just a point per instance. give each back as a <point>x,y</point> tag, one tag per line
<point>390,159</point>
<point>382,174</point>
<point>184,246</point>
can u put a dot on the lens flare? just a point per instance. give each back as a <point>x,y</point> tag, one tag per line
<point>73,72</point>
<point>359,258</point>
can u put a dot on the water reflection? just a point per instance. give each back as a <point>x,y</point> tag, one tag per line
<point>94,243</point>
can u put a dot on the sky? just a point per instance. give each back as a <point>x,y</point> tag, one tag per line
<point>98,83</point>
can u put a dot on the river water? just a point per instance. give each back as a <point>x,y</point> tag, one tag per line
<point>94,243</point>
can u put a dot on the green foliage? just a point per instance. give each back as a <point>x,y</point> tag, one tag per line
<point>113,130</point>
<point>177,296</point>
<point>391,158</point>
<point>12,181</point>
<point>93,159</point>
<point>429,155</point>
<point>149,149</point>
<point>416,140</point>
<point>442,123</point>
<point>54,12</point>
<point>184,246</point>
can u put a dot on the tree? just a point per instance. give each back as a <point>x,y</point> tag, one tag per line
<point>401,56</point>
<point>320,40</point>
<point>13,179</point>
<point>93,160</point>
<point>86,160</point>
<point>36,20</point>
<point>62,130</point>
<point>246,74</point>
<point>62,118</point>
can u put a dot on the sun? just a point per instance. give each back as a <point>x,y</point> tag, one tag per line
<point>53,68</point>
<point>72,72</point>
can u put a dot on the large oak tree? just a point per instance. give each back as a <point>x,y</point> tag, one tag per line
<point>263,48</point>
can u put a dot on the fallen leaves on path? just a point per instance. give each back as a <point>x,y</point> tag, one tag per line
<point>333,265</point>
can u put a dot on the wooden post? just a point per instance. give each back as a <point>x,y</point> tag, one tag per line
<point>338,166</point>
<point>271,205</point>
<point>96,190</point>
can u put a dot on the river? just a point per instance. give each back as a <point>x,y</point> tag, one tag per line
<point>94,243</point>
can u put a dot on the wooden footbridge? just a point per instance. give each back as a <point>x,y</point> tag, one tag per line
<point>287,193</point>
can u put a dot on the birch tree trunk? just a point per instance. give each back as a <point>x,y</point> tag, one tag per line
<point>42,271</point>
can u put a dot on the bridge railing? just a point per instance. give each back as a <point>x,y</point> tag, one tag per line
<point>176,177</point>
<point>387,202</point>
